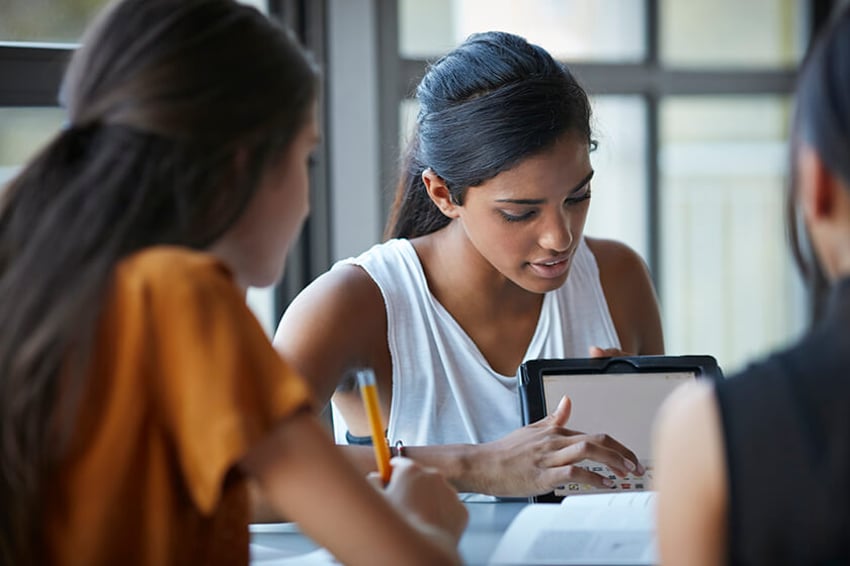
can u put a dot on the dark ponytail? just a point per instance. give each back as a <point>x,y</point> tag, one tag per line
<point>484,107</point>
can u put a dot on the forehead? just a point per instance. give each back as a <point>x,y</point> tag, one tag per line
<point>559,168</point>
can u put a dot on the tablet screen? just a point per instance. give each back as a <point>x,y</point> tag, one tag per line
<point>623,405</point>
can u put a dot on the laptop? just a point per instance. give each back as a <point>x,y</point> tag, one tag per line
<point>619,396</point>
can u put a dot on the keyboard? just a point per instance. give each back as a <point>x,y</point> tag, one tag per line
<point>628,483</point>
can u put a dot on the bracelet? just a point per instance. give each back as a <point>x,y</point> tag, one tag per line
<point>397,451</point>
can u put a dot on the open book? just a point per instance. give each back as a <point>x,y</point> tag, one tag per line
<point>601,528</point>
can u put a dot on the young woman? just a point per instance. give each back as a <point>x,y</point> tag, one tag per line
<point>138,395</point>
<point>755,470</point>
<point>486,267</point>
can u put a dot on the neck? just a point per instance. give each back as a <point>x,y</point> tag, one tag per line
<point>459,277</point>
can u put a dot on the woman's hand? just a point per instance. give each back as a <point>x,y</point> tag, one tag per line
<point>597,352</point>
<point>425,497</point>
<point>543,455</point>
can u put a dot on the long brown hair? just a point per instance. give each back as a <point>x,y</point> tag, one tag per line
<point>160,97</point>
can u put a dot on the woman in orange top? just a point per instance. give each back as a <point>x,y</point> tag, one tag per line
<point>138,395</point>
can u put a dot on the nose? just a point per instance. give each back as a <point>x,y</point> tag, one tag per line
<point>556,234</point>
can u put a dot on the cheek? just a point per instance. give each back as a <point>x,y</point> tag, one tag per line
<point>295,199</point>
<point>504,242</point>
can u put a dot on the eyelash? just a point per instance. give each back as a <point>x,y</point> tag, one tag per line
<point>528,215</point>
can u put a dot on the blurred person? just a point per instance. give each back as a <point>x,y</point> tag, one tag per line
<point>754,470</point>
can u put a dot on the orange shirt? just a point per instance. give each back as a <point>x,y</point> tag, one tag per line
<point>183,382</point>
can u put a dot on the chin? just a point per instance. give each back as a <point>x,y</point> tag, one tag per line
<point>542,286</point>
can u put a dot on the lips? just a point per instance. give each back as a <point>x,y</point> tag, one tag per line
<point>551,268</point>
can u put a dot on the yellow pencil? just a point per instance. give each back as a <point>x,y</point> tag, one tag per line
<point>369,393</point>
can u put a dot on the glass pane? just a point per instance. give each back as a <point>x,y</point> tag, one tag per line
<point>261,302</point>
<point>407,111</point>
<point>595,30</point>
<point>57,22</point>
<point>47,20</point>
<point>714,33</point>
<point>22,132</point>
<point>261,5</point>
<point>618,206</point>
<point>728,284</point>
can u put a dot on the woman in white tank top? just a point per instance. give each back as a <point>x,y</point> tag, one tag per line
<point>486,266</point>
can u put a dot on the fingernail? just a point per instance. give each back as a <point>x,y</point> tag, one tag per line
<point>630,465</point>
<point>608,483</point>
<point>640,469</point>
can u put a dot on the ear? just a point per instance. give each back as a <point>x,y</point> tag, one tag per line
<point>817,186</point>
<point>439,193</point>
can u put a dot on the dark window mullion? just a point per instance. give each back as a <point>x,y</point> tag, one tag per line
<point>653,187</point>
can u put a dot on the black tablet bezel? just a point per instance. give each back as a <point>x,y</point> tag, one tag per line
<point>530,387</point>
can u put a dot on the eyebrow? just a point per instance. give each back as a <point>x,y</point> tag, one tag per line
<point>583,182</point>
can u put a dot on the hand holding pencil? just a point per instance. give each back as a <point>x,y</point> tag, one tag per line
<point>421,491</point>
<point>369,393</point>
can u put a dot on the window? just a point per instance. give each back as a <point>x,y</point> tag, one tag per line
<point>22,132</point>
<point>47,21</point>
<point>609,30</point>
<point>691,110</point>
<point>729,280</point>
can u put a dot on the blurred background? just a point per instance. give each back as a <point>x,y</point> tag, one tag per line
<point>692,103</point>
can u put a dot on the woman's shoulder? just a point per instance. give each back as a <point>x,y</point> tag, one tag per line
<point>615,257</point>
<point>387,255</point>
<point>343,299</point>
<point>345,282</point>
<point>630,294</point>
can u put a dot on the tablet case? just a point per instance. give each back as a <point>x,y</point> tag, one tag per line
<point>532,396</point>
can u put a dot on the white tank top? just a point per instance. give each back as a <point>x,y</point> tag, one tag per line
<point>444,391</point>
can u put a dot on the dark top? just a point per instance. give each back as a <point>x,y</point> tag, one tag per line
<point>786,425</point>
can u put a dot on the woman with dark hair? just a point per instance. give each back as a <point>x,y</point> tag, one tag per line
<point>138,394</point>
<point>755,470</point>
<point>486,266</point>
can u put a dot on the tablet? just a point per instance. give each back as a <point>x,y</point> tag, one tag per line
<point>618,396</point>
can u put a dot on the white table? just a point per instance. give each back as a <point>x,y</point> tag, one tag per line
<point>488,520</point>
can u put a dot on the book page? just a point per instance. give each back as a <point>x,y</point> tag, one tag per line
<point>605,528</point>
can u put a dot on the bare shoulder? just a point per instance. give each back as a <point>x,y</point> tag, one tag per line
<point>616,259</point>
<point>341,290</point>
<point>336,323</point>
<point>630,295</point>
<point>690,406</point>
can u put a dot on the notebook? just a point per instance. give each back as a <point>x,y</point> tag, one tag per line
<point>601,529</point>
<point>618,396</point>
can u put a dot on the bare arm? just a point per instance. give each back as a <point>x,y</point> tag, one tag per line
<point>305,478</point>
<point>334,326</point>
<point>630,295</point>
<point>691,479</point>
